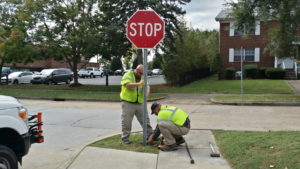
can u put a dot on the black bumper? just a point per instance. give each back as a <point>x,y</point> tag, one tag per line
<point>27,143</point>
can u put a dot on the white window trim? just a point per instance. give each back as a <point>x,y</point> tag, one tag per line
<point>231,55</point>
<point>257,55</point>
<point>257,27</point>
<point>231,28</point>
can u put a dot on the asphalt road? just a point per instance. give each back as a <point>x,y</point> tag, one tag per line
<point>69,126</point>
<point>115,80</point>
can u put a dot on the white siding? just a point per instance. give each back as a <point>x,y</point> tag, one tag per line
<point>231,54</point>
<point>257,55</point>
<point>231,29</point>
<point>257,28</point>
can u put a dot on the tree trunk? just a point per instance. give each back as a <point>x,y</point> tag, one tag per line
<point>74,69</point>
<point>1,65</point>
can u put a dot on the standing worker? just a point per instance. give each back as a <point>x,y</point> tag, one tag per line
<point>132,99</point>
<point>172,123</point>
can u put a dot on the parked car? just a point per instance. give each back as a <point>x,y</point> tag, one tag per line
<point>149,72</point>
<point>119,72</point>
<point>157,72</point>
<point>18,77</point>
<point>53,76</point>
<point>6,72</point>
<point>125,71</point>
<point>90,72</point>
<point>107,72</point>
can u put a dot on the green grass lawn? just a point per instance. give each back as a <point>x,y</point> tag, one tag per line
<point>212,85</point>
<point>206,86</point>
<point>63,87</point>
<point>258,99</point>
<point>115,142</point>
<point>260,150</point>
<point>69,94</point>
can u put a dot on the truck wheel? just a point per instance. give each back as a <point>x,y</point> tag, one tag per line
<point>8,158</point>
<point>92,75</point>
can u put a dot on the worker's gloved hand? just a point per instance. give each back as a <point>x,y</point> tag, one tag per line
<point>150,140</point>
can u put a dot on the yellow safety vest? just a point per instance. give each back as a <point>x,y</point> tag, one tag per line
<point>173,114</point>
<point>134,95</point>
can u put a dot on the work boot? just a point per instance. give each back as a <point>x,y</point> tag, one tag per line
<point>180,140</point>
<point>126,142</point>
<point>172,147</point>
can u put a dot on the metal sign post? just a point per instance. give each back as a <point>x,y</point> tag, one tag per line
<point>145,29</point>
<point>145,53</point>
<point>242,90</point>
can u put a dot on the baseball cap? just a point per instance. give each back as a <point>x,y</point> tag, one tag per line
<point>153,106</point>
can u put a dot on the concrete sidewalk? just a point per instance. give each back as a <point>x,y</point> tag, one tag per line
<point>198,142</point>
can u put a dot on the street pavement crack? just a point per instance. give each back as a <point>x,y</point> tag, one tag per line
<point>77,121</point>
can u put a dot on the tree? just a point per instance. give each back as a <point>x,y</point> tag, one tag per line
<point>66,29</point>
<point>14,44</point>
<point>195,50</point>
<point>286,12</point>
<point>135,63</point>
<point>116,63</point>
<point>117,12</point>
<point>104,63</point>
<point>157,62</point>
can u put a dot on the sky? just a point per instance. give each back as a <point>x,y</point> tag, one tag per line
<point>201,13</point>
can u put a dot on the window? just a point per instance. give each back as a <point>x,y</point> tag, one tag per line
<point>234,31</point>
<point>249,54</point>
<point>61,72</point>
<point>241,32</point>
<point>27,74</point>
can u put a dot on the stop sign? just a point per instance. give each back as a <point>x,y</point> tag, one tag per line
<point>145,29</point>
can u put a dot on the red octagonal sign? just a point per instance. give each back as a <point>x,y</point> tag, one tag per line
<point>145,29</point>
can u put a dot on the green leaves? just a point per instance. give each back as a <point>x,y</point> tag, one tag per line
<point>285,12</point>
<point>194,50</point>
<point>115,13</point>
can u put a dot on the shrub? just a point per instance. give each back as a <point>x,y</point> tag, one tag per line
<point>275,73</point>
<point>262,72</point>
<point>251,71</point>
<point>229,73</point>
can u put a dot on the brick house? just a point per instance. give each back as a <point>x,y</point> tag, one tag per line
<point>38,65</point>
<point>232,44</point>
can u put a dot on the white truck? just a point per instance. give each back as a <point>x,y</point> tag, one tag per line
<point>18,131</point>
<point>90,72</point>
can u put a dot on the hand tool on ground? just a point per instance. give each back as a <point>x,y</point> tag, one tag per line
<point>188,151</point>
<point>213,151</point>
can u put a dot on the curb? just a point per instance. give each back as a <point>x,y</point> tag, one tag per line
<point>255,103</point>
<point>87,100</point>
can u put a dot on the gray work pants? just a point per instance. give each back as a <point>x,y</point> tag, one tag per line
<point>128,111</point>
<point>169,130</point>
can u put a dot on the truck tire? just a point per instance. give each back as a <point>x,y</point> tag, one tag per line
<point>8,158</point>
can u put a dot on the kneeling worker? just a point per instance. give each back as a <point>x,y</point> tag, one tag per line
<point>172,123</point>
